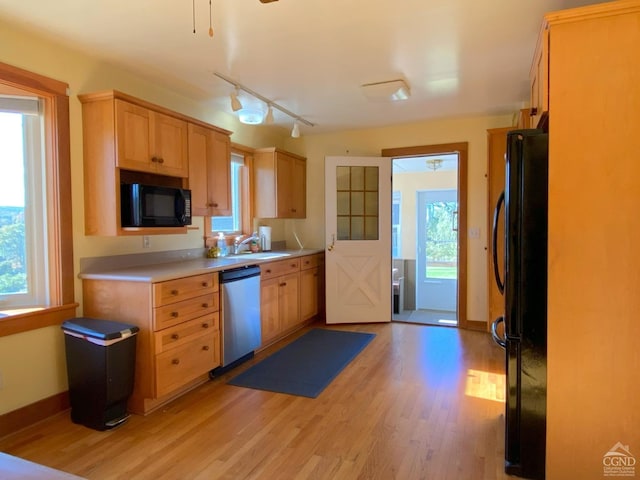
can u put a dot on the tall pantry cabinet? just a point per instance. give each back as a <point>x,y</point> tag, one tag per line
<point>593,401</point>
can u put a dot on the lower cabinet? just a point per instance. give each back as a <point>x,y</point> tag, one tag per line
<point>179,338</point>
<point>311,286</point>
<point>290,295</point>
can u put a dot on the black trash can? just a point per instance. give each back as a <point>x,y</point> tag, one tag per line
<point>100,366</point>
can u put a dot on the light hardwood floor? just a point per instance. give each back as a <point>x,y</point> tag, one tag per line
<point>417,403</point>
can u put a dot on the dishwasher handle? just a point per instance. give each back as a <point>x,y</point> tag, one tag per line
<point>241,273</point>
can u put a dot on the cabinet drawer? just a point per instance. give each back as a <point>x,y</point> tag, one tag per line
<point>183,288</point>
<point>175,313</point>
<point>178,366</point>
<point>186,332</point>
<point>281,267</point>
<point>311,261</point>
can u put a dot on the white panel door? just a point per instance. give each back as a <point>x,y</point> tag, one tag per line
<point>358,239</point>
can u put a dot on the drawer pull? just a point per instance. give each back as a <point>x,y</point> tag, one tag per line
<point>175,336</point>
<point>205,284</point>
<point>283,284</point>
<point>154,159</point>
<point>205,325</point>
<point>174,292</point>
<point>205,305</point>
<point>293,265</point>
<point>175,361</point>
<point>268,270</point>
<point>174,314</point>
<point>161,160</point>
<point>205,348</point>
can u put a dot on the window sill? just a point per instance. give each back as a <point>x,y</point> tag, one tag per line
<point>25,319</point>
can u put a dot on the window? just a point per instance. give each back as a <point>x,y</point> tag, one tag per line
<point>234,222</point>
<point>395,225</point>
<point>36,248</point>
<point>23,253</point>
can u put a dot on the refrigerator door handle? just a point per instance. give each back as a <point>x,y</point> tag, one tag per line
<point>494,332</point>
<point>496,268</point>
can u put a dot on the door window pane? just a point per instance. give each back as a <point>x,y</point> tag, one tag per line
<point>357,199</point>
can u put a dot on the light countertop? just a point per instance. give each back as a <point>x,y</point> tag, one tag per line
<point>170,270</point>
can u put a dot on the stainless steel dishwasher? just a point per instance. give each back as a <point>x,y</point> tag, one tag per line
<point>240,307</point>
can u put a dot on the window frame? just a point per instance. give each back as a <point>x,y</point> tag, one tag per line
<point>246,196</point>
<point>62,305</point>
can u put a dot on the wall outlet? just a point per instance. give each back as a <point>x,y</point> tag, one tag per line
<point>474,232</point>
<point>146,243</point>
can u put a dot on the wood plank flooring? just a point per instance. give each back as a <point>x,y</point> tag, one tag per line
<point>418,403</point>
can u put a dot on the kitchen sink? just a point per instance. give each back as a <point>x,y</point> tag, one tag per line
<point>264,255</point>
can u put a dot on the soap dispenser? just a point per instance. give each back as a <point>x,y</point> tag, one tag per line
<point>222,244</point>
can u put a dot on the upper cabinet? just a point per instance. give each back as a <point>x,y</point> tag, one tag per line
<point>209,171</point>
<point>280,184</point>
<point>128,140</point>
<point>149,141</point>
<point>539,80</point>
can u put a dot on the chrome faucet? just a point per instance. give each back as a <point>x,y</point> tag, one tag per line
<point>238,242</point>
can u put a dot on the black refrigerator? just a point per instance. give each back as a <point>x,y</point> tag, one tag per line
<point>522,278</point>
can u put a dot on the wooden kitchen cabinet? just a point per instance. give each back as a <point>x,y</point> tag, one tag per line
<point>593,396</point>
<point>128,140</point>
<point>539,81</point>
<point>179,338</point>
<point>209,171</point>
<point>311,283</point>
<point>150,141</point>
<point>279,298</point>
<point>280,187</point>
<point>496,164</point>
<point>291,295</point>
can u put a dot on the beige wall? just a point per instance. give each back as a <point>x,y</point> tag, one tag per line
<point>32,363</point>
<point>408,184</point>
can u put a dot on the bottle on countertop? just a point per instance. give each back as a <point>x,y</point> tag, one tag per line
<point>222,245</point>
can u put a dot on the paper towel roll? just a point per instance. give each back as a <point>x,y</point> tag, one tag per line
<point>265,238</point>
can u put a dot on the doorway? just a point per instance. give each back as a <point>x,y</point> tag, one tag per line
<point>429,234</point>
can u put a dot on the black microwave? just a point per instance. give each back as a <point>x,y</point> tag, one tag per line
<point>154,206</point>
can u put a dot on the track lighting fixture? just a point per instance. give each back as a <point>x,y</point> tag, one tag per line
<point>236,106</point>
<point>235,103</point>
<point>268,119</point>
<point>295,132</point>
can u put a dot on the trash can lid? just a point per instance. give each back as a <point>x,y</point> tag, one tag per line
<point>97,328</point>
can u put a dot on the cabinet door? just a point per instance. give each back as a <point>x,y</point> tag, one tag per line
<point>219,173</point>
<point>169,148</point>
<point>209,171</point>
<point>539,79</point>
<point>198,170</point>
<point>289,303</point>
<point>132,137</point>
<point>299,186</point>
<point>291,186</point>
<point>269,310</point>
<point>309,287</point>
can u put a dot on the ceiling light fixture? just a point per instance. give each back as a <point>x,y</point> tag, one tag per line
<point>235,103</point>
<point>270,103</point>
<point>295,132</point>
<point>434,163</point>
<point>268,119</point>
<point>392,90</point>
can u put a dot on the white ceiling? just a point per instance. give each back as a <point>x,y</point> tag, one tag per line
<point>459,57</point>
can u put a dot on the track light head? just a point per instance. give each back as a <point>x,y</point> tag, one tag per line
<point>295,132</point>
<point>268,119</point>
<point>235,103</point>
